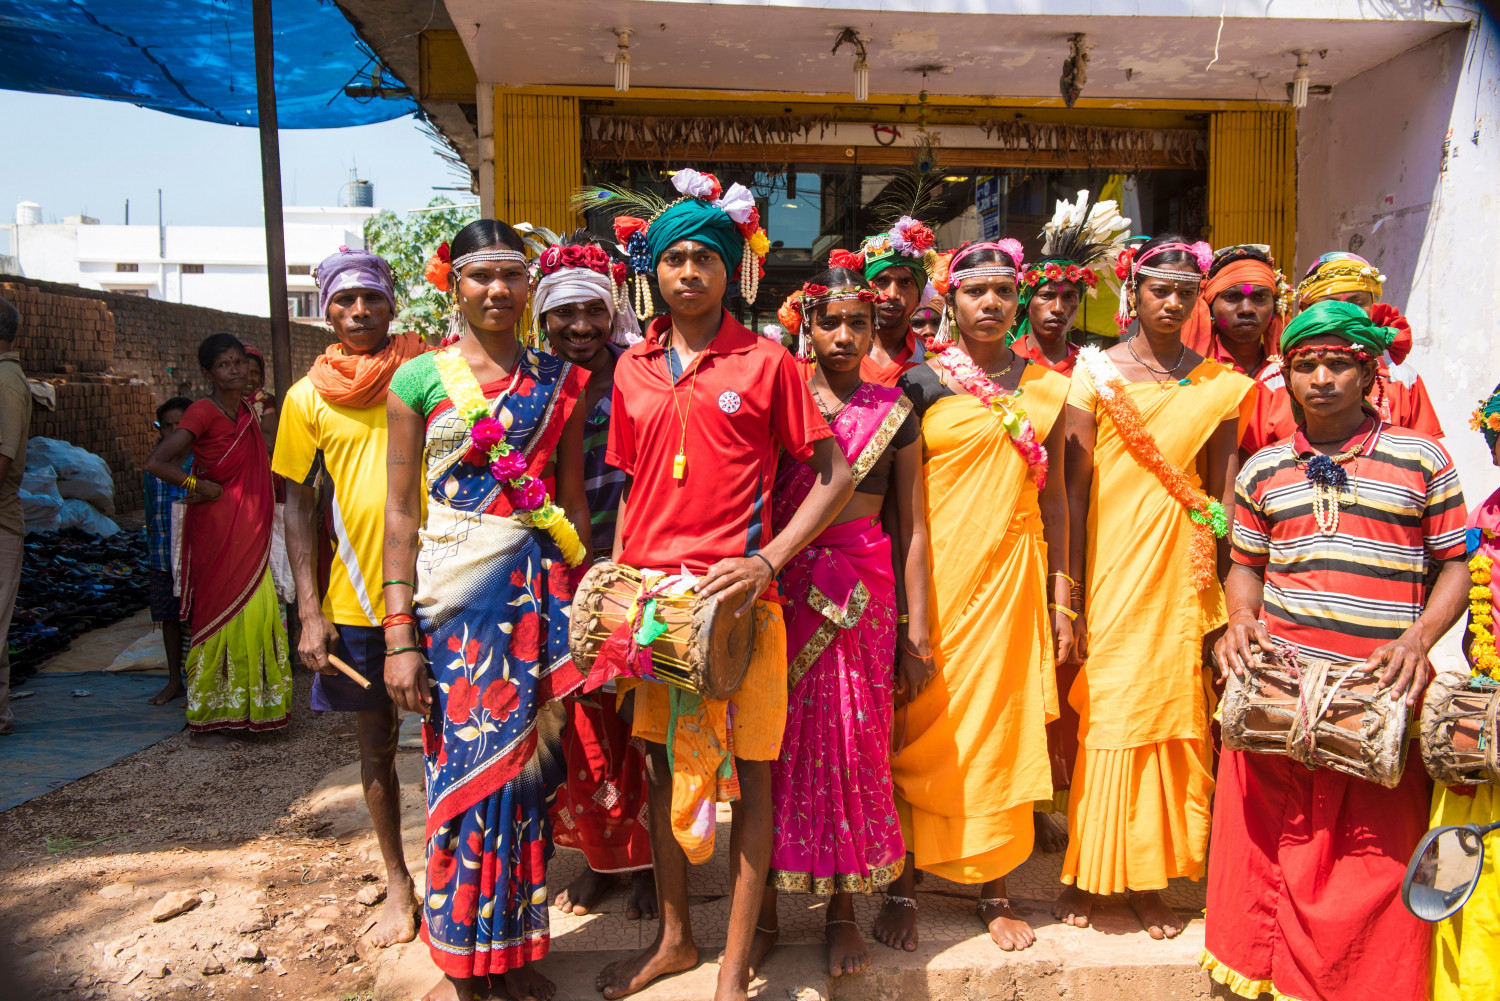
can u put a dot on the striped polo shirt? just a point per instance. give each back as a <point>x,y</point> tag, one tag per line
<point>1341,596</point>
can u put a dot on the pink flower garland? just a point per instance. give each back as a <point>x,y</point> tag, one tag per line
<point>994,399</point>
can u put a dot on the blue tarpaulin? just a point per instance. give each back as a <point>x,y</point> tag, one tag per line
<point>194,58</point>
<point>60,737</point>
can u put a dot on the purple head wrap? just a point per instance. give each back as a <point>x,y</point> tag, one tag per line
<point>348,269</point>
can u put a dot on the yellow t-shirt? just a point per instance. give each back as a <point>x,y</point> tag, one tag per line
<point>348,443</point>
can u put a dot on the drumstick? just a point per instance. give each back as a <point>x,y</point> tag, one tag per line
<point>349,672</point>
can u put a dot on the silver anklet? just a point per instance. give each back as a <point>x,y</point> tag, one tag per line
<point>841,921</point>
<point>891,898</point>
<point>984,902</point>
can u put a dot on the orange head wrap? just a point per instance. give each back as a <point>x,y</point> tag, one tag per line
<point>1198,332</point>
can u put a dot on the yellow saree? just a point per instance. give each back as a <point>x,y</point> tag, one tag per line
<point>1138,813</point>
<point>975,751</point>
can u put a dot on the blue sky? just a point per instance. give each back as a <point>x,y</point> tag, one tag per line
<point>78,155</point>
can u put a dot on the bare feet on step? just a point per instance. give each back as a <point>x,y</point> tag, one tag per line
<point>585,892</point>
<point>642,902</point>
<point>398,915</point>
<point>1074,907</point>
<point>1009,931</point>
<point>1051,837</point>
<point>896,925</point>
<point>526,984</point>
<point>451,989</point>
<point>1159,920</point>
<point>617,980</point>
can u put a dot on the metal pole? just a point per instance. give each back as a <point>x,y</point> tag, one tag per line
<point>270,178</point>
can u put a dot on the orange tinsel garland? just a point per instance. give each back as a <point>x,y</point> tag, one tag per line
<point>1206,513</point>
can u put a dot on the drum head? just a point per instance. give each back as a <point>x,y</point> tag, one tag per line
<point>730,641</point>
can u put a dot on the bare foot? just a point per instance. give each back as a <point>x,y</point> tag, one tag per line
<point>1159,920</point>
<point>642,902</point>
<point>449,989</point>
<point>1010,933</point>
<point>631,975</point>
<point>847,952</point>
<point>1051,837</point>
<point>213,740</point>
<point>1074,907</point>
<point>584,892</point>
<point>896,925</point>
<point>526,984</point>
<point>173,690</point>
<point>398,916</point>
<point>762,944</point>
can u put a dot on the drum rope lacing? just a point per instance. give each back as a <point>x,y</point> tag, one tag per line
<point>1305,713</point>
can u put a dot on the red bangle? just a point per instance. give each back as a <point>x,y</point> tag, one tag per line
<point>398,619</point>
<point>1238,609</point>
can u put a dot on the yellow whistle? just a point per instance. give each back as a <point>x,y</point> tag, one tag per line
<point>679,466</point>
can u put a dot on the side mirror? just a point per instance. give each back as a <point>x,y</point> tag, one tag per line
<point>1443,872</point>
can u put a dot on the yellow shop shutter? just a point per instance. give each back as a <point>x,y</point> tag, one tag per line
<point>1252,182</point>
<point>538,159</point>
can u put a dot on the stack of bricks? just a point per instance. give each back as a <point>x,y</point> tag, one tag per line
<point>113,358</point>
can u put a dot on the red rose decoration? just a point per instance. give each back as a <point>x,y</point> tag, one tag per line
<point>626,225</point>
<point>844,259</point>
<point>462,698</point>
<point>919,236</point>
<point>750,225</point>
<point>501,699</point>
<point>815,290</point>
<point>465,903</point>
<point>441,869</point>
<point>525,637</point>
<point>573,257</point>
<point>619,272</point>
<point>551,258</point>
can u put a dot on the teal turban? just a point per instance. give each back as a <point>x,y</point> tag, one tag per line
<point>692,219</point>
<point>1339,319</point>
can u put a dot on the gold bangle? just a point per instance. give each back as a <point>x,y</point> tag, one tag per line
<point>1066,611</point>
<point>190,483</point>
<point>903,619</point>
<point>1059,573</point>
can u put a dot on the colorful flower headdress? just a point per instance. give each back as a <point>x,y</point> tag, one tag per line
<point>640,210</point>
<point>909,242</point>
<point>580,272</point>
<point>1486,417</point>
<point>796,312</point>
<point>1131,264</point>
<point>1339,272</point>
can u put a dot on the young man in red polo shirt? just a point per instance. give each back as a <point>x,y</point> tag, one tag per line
<point>701,410</point>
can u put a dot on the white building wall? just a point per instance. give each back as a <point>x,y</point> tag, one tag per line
<point>1376,178</point>
<point>233,258</point>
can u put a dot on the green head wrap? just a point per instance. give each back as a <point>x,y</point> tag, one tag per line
<point>1486,413</point>
<point>1338,319</point>
<point>880,253</point>
<point>693,219</point>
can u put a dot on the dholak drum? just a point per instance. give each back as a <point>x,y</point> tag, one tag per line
<point>1328,715</point>
<point>704,649</point>
<point>1460,741</point>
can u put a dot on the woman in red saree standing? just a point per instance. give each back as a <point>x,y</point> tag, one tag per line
<point>238,673</point>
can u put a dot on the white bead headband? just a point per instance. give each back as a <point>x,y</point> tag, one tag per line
<point>1170,275</point>
<point>506,255</point>
<point>983,271</point>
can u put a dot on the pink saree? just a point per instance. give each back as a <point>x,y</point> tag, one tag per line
<point>836,824</point>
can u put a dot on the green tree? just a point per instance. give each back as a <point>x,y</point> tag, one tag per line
<point>408,244</point>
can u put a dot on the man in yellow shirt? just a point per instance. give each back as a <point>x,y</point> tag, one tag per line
<point>332,439</point>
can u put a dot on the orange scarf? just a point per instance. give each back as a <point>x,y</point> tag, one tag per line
<point>1199,334</point>
<point>361,380</point>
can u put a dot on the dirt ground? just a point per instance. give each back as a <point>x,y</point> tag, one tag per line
<point>274,878</point>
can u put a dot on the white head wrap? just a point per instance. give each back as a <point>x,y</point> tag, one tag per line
<point>573,285</point>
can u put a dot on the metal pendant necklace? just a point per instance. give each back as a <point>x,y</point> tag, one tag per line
<point>1166,373</point>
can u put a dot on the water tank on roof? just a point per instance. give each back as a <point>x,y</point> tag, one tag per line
<point>358,194</point>
<point>28,214</point>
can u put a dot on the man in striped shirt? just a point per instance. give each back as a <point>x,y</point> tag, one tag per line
<point>1336,530</point>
